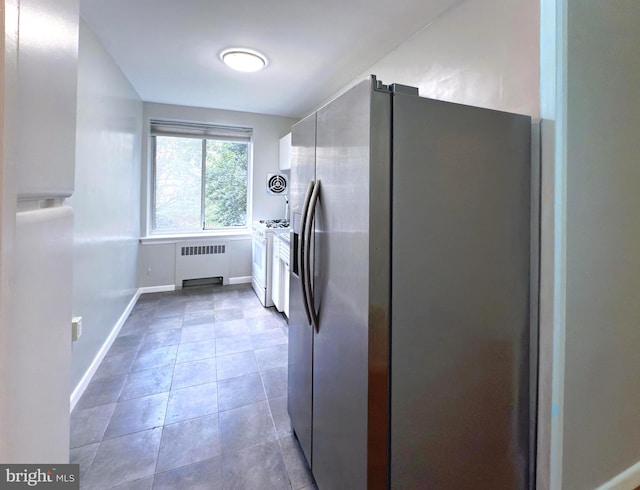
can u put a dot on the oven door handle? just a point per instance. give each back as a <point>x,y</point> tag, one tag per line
<point>302,247</point>
<point>307,284</point>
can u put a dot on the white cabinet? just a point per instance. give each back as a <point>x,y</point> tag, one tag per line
<point>47,93</point>
<point>284,260</point>
<point>280,275</point>
<point>276,276</point>
<point>285,152</point>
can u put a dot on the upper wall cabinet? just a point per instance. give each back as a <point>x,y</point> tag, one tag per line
<point>47,91</point>
<point>285,152</point>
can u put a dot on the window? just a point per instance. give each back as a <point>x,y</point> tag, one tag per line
<point>200,177</point>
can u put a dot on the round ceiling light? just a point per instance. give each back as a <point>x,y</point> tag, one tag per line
<point>243,59</point>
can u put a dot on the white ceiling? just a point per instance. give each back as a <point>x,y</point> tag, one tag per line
<point>168,49</point>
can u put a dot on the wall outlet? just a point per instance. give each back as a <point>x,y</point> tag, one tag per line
<point>76,328</point>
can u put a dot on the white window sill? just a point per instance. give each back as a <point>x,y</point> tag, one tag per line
<point>237,234</point>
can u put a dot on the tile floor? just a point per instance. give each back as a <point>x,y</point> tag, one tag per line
<point>192,395</point>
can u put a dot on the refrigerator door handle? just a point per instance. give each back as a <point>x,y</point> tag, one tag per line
<point>309,227</point>
<point>302,247</point>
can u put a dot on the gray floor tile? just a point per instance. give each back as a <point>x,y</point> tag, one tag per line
<point>271,357</point>
<point>126,343</point>
<point>124,459</point>
<point>226,314</point>
<point>198,333</point>
<point>189,442</point>
<point>173,299</point>
<point>234,365</point>
<point>203,475</point>
<point>255,468</point>
<point>199,297</point>
<point>147,382</point>
<point>193,351</point>
<point>247,301</point>
<point>231,345</point>
<point>268,338</point>
<point>166,323</point>
<point>198,318</point>
<point>231,328</point>
<point>258,312</point>
<point>102,391</point>
<point>88,425</point>
<point>153,299</point>
<point>116,364</point>
<point>155,358</point>
<point>137,414</point>
<point>220,291</point>
<point>199,303</point>
<point>137,328</point>
<point>199,310</point>
<point>138,320</point>
<point>214,340</point>
<point>194,373</point>
<point>275,382</point>
<point>245,426</point>
<point>227,302</point>
<point>83,456</point>
<point>173,309</point>
<point>297,467</point>
<point>280,416</point>
<point>195,401</point>
<point>143,484</point>
<point>261,324</point>
<point>236,392</point>
<point>161,338</point>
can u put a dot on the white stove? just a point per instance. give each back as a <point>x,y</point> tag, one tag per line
<point>261,272</point>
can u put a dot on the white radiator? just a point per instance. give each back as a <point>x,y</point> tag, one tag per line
<point>202,259</point>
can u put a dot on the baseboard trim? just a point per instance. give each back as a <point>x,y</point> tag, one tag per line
<point>627,480</point>
<point>84,382</point>
<point>240,280</point>
<point>157,289</point>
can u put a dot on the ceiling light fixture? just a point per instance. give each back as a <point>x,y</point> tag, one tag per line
<point>243,59</point>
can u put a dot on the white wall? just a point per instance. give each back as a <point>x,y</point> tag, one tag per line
<point>106,198</point>
<point>480,52</point>
<point>157,259</point>
<point>601,416</point>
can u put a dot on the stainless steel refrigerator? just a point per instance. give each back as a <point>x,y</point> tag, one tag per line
<point>409,330</point>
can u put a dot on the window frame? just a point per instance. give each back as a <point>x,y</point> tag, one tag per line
<point>203,132</point>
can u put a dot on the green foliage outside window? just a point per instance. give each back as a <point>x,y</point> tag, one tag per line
<point>179,186</point>
<point>226,184</point>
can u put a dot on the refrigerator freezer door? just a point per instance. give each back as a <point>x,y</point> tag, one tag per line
<point>340,373</point>
<point>460,297</point>
<point>300,361</point>
<point>36,414</point>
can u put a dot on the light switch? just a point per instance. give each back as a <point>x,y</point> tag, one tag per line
<point>76,328</point>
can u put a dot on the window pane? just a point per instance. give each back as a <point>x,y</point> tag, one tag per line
<point>226,184</point>
<point>178,183</point>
